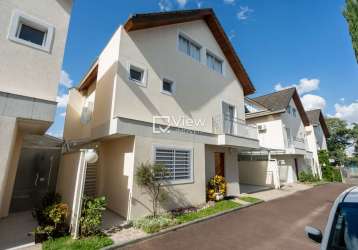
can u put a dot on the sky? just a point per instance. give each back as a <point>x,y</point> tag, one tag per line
<point>281,43</point>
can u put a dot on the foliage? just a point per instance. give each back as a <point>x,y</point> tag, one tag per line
<point>354,137</point>
<point>91,216</point>
<point>90,243</point>
<point>329,172</point>
<point>340,138</point>
<point>52,216</point>
<point>308,177</point>
<point>250,199</point>
<point>50,198</point>
<point>351,14</point>
<point>217,208</point>
<point>152,224</point>
<point>216,185</point>
<point>152,178</point>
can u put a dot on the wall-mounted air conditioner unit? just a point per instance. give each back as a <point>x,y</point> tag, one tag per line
<point>261,128</point>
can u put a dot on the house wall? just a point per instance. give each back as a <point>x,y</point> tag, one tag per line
<point>156,51</point>
<point>255,173</point>
<point>115,176</point>
<point>312,146</point>
<point>274,129</point>
<point>66,178</point>
<point>27,71</point>
<point>230,165</point>
<point>321,139</point>
<point>179,195</point>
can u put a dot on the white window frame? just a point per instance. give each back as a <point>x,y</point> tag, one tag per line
<point>137,66</point>
<point>171,147</point>
<point>18,18</point>
<point>208,51</point>
<point>186,36</point>
<point>236,119</point>
<point>167,92</point>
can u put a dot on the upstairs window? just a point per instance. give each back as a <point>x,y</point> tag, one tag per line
<point>137,74</point>
<point>189,47</point>
<point>168,86</point>
<point>31,34</point>
<point>214,63</point>
<point>294,112</point>
<point>30,31</point>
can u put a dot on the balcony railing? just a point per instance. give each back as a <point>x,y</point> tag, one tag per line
<point>232,126</point>
<point>298,143</point>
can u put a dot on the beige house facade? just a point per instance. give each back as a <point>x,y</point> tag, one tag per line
<point>32,41</point>
<point>168,91</point>
<point>283,130</point>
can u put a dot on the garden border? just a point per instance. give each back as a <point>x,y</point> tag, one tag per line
<point>174,228</point>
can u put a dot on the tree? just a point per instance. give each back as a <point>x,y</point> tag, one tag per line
<point>354,138</point>
<point>340,138</point>
<point>152,178</point>
<point>351,14</point>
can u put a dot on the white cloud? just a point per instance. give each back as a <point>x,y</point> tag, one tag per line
<point>65,79</point>
<point>199,4</point>
<point>304,85</point>
<point>229,1</point>
<point>232,34</point>
<point>347,112</point>
<point>244,12</point>
<point>165,5</point>
<point>342,99</point>
<point>182,3</point>
<point>62,100</point>
<point>310,102</point>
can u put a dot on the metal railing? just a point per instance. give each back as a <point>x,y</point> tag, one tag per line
<point>232,126</point>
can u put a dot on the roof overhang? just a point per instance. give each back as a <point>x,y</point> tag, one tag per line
<point>324,126</point>
<point>152,20</point>
<point>300,108</point>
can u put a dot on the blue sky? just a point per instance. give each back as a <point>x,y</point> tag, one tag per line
<point>281,43</point>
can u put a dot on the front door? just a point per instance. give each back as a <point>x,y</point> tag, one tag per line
<point>220,164</point>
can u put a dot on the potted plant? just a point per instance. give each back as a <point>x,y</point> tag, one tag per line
<point>216,188</point>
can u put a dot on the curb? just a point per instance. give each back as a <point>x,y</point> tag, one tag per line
<point>174,228</point>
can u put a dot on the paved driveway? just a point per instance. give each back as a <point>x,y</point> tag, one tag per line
<point>276,224</point>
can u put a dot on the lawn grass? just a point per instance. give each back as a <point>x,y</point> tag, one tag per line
<point>220,206</point>
<point>90,243</point>
<point>250,199</point>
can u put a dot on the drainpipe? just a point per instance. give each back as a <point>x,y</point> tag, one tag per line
<point>86,156</point>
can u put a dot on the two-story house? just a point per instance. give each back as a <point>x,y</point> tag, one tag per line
<point>317,133</point>
<point>168,88</point>
<point>32,42</point>
<point>281,120</point>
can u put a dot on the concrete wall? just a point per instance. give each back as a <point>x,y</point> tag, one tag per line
<point>255,173</point>
<point>11,139</point>
<point>312,146</point>
<point>179,195</point>
<point>274,129</point>
<point>231,167</point>
<point>115,168</point>
<point>321,139</point>
<point>25,70</point>
<point>66,178</point>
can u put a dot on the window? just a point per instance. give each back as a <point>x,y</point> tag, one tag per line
<point>177,161</point>
<point>189,47</point>
<point>214,63</point>
<point>168,86</point>
<point>294,112</point>
<point>137,74</point>
<point>30,31</point>
<point>289,109</point>
<point>87,109</point>
<point>30,34</point>
<point>344,232</point>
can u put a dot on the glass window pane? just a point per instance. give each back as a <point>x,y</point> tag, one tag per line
<point>167,86</point>
<point>30,34</point>
<point>136,75</point>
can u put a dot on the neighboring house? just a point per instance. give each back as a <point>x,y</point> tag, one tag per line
<point>167,88</point>
<point>316,132</point>
<point>281,121</point>
<point>32,42</point>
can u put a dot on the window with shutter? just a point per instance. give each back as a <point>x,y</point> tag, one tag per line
<point>177,161</point>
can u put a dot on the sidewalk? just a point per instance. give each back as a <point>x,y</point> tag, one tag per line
<point>286,190</point>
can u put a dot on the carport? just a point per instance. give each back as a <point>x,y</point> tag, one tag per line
<point>257,171</point>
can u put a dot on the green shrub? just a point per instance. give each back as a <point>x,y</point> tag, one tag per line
<point>152,224</point>
<point>304,176</point>
<point>90,243</point>
<point>329,172</point>
<point>40,214</point>
<point>91,216</point>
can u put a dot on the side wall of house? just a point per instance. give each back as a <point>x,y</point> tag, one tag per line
<point>255,173</point>
<point>115,173</point>
<point>274,129</point>
<point>178,195</point>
